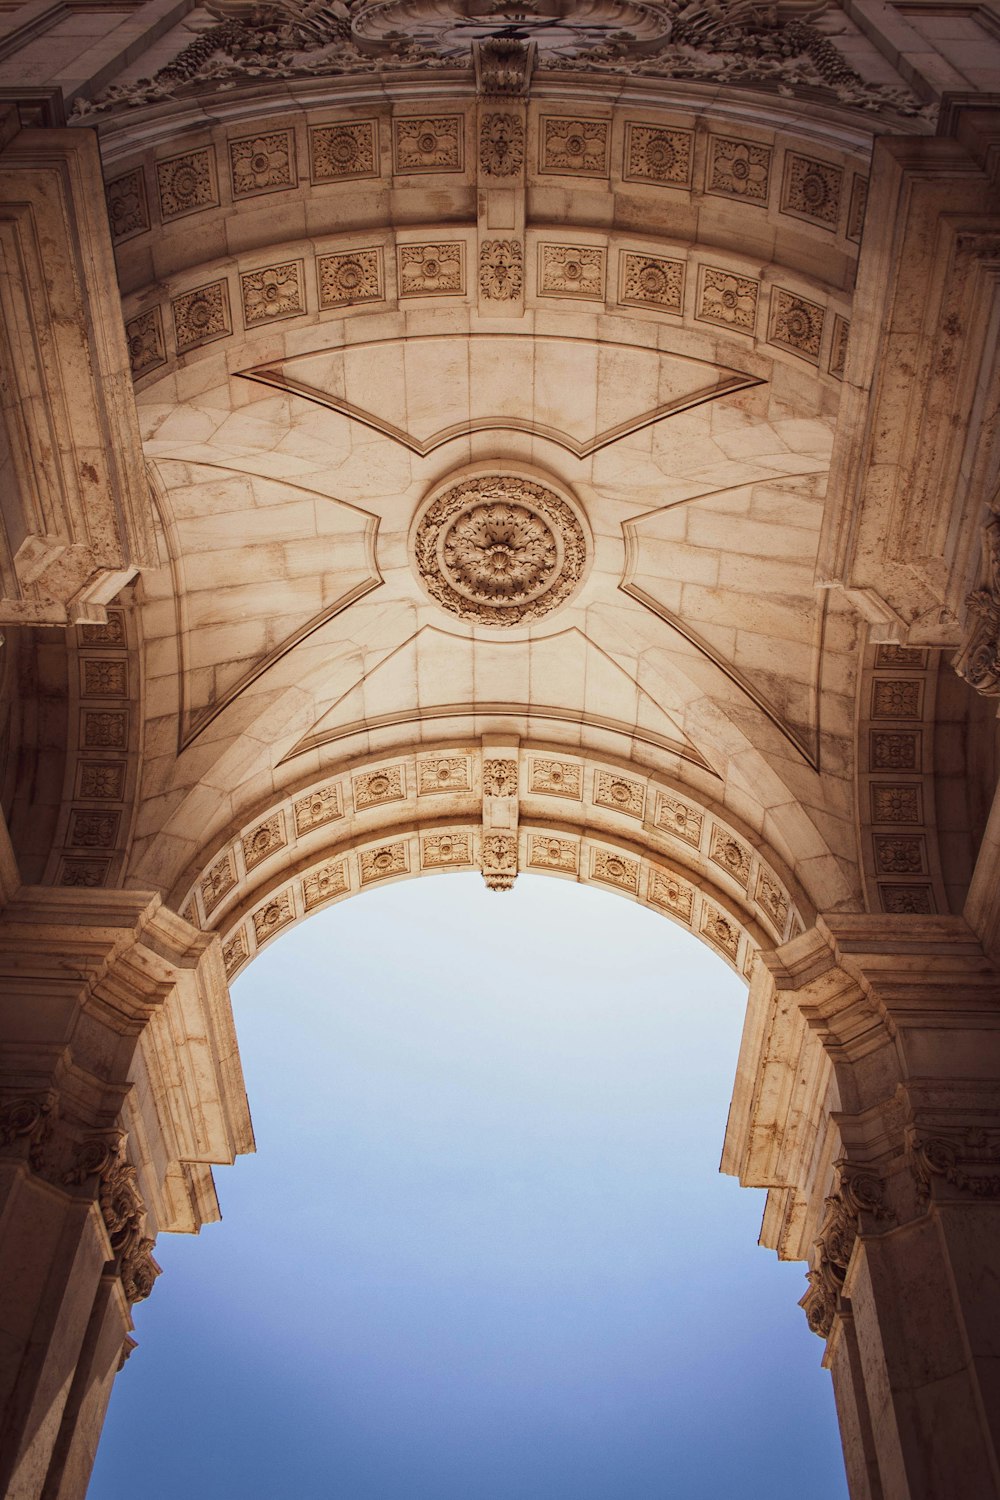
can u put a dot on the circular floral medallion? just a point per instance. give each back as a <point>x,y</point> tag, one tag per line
<point>499,549</point>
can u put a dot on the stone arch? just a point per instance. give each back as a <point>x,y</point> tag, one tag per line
<point>439,808</point>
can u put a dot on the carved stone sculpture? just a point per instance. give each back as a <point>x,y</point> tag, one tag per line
<point>979,660</point>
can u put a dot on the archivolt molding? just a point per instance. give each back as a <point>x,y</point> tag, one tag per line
<point>671,179</point>
<point>450,807</point>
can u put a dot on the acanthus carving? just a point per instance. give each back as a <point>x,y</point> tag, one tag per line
<point>858,1193</point>
<point>500,778</point>
<point>751,44</point>
<point>966,1159</point>
<point>979,659</point>
<point>501,270</point>
<point>124,1214</point>
<point>499,858</point>
<point>28,1119</point>
<point>501,145</point>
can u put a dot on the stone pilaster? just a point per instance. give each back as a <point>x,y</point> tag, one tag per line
<point>119,1084</point>
<point>867,1103</point>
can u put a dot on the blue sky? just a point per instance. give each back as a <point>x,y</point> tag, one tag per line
<point>483,1251</point>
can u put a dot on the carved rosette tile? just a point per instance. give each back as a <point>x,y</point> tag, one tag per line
<point>620,793</point>
<point>265,839</point>
<point>187,183</point>
<point>501,270</point>
<point>557,778</point>
<point>272,917</point>
<point>720,930</point>
<point>438,850</point>
<point>573,145</point>
<point>431,270</point>
<point>676,817</point>
<point>144,336</point>
<point>104,729</point>
<point>501,145</point>
<point>101,780</point>
<point>654,154</point>
<point>387,784</point>
<point>351,276</point>
<point>898,855</point>
<point>894,750</point>
<point>428,145</point>
<point>673,895</point>
<point>857,208</point>
<point>381,863</point>
<point>907,900</point>
<point>796,324</point>
<point>896,804</point>
<point>499,550</point>
<point>88,873</point>
<point>93,830</point>
<point>324,805</point>
<point>811,190</point>
<point>325,883</point>
<point>897,698</point>
<point>571,271</point>
<point>272,293</point>
<point>262,163</point>
<point>128,211</point>
<point>341,152</point>
<point>103,677</point>
<point>838,346</point>
<point>546,852</point>
<point>730,855</point>
<point>499,860</point>
<point>202,315</point>
<point>615,869</point>
<point>218,882</point>
<point>728,299</point>
<point>234,953</point>
<point>446,773</point>
<point>738,169</point>
<point>651,281</point>
<point>772,900</point>
<point>111,633</point>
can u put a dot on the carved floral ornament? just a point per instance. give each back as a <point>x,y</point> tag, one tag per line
<point>754,43</point>
<point>499,549</point>
<point>979,659</point>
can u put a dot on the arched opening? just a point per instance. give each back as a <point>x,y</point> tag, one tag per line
<point>484,1248</point>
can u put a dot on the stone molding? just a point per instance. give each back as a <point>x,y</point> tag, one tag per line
<point>77,518</point>
<point>868,1052</point>
<point>129,1001</point>
<point>500,805</point>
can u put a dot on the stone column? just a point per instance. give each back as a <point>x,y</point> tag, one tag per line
<point>869,1103</point>
<point>119,1082</point>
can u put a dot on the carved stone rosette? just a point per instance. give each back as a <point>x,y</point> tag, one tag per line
<point>979,659</point>
<point>499,550</point>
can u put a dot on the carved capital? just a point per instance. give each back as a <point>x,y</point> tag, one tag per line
<point>124,1214</point>
<point>967,1160</point>
<point>26,1123</point>
<point>978,661</point>
<point>858,1196</point>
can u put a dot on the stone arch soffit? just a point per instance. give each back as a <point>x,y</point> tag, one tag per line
<point>502,808</point>
<point>726,383</point>
<point>805,740</point>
